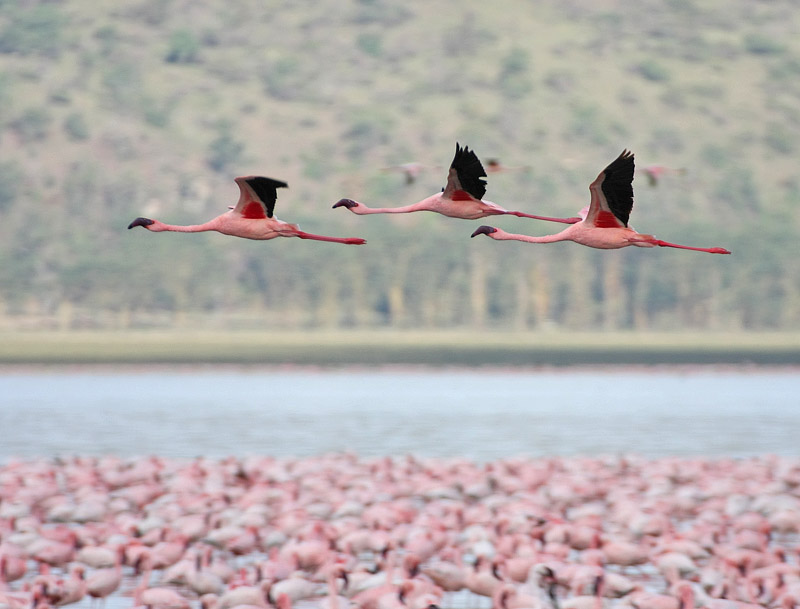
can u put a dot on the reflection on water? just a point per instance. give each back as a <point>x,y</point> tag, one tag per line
<point>478,414</point>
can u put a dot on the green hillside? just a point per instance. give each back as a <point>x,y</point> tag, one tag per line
<point>111,110</point>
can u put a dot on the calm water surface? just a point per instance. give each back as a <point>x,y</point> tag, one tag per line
<point>482,415</point>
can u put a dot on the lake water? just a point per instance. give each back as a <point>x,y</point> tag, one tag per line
<point>479,414</point>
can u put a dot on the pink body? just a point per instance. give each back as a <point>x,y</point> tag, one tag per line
<point>600,228</point>
<point>251,218</point>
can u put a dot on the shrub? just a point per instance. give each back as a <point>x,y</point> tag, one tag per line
<point>184,47</point>
<point>76,127</point>
<point>224,150</point>
<point>371,44</point>
<point>780,139</point>
<point>514,78</point>
<point>762,44</point>
<point>653,70</point>
<point>33,124</point>
<point>34,30</point>
<point>10,178</point>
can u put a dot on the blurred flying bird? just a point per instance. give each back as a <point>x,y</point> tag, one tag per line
<point>654,173</point>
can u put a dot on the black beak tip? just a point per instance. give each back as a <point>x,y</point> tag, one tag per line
<point>140,222</point>
<point>484,230</point>
<point>348,203</point>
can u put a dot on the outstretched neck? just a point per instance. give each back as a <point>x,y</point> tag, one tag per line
<point>158,227</point>
<point>504,236</point>
<point>405,209</point>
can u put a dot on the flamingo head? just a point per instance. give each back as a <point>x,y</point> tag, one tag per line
<point>146,222</point>
<point>348,203</point>
<point>484,230</point>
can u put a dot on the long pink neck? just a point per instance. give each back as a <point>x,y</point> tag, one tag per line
<point>333,593</point>
<point>191,228</point>
<point>363,210</point>
<point>144,583</point>
<point>503,236</point>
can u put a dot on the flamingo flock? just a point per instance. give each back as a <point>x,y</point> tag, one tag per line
<point>341,532</point>
<point>603,224</point>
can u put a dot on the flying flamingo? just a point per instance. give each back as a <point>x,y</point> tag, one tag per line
<point>605,220</point>
<point>495,166</point>
<point>654,173</point>
<point>411,170</point>
<point>251,218</point>
<point>461,198</point>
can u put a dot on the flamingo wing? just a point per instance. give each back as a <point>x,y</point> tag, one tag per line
<point>465,178</point>
<point>257,196</point>
<point>612,194</point>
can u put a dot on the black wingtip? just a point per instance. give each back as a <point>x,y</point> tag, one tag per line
<point>266,189</point>
<point>484,230</point>
<point>256,181</point>
<point>618,185</point>
<point>140,222</point>
<point>470,171</point>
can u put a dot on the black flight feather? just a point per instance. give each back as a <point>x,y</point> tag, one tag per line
<point>266,189</point>
<point>618,186</point>
<point>470,171</point>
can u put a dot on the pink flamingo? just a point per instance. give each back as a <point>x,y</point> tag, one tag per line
<point>71,590</point>
<point>495,166</point>
<point>157,598</point>
<point>655,172</point>
<point>12,568</point>
<point>605,221</point>
<point>461,198</point>
<point>251,218</point>
<point>411,170</point>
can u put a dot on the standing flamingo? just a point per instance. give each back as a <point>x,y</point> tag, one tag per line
<point>461,198</point>
<point>605,220</point>
<point>251,218</point>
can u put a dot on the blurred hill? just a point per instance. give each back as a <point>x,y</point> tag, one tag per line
<point>113,110</point>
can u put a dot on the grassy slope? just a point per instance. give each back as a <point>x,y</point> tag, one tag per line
<point>436,77</point>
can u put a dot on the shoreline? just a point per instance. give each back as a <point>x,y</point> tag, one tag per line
<point>414,348</point>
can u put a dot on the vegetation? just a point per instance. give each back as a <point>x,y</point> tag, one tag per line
<point>109,111</point>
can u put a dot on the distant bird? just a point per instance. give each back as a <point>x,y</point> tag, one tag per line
<point>654,173</point>
<point>605,220</point>
<point>495,166</point>
<point>411,170</point>
<point>251,218</point>
<point>461,198</point>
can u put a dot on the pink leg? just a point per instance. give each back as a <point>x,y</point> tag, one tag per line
<point>347,240</point>
<point>520,214</point>
<point>660,243</point>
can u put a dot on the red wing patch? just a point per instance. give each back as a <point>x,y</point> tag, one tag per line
<point>254,211</point>
<point>605,219</point>
<point>462,195</point>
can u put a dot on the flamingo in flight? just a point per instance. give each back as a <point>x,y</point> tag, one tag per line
<point>604,223</point>
<point>411,170</point>
<point>461,198</point>
<point>251,218</point>
<point>654,173</point>
<point>495,166</point>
